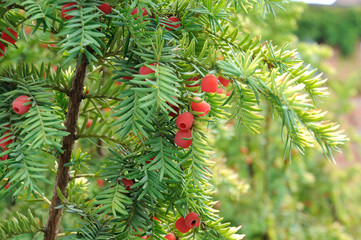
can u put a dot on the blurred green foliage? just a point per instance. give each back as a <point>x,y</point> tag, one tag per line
<point>306,197</point>
<point>336,26</point>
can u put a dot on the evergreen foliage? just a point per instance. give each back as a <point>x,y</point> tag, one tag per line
<point>169,182</point>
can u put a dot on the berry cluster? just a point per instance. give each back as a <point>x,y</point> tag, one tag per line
<point>8,38</point>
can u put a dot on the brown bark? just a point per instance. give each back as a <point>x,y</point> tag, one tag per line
<point>62,176</point>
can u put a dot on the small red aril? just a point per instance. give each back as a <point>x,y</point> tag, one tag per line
<point>223,81</point>
<point>220,90</point>
<point>192,220</point>
<point>209,84</point>
<point>200,107</point>
<point>170,236</point>
<point>7,140</point>
<point>135,12</point>
<point>7,186</point>
<point>180,225</point>
<point>100,183</point>
<point>3,158</point>
<point>105,8</point>
<point>8,38</point>
<point>185,121</point>
<point>144,70</point>
<point>66,8</point>
<point>183,143</point>
<point>4,142</point>
<point>89,123</point>
<point>171,24</point>
<point>127,183</point>
<point>175,108</point>
<point>2,47</point>
<point>18,105</point>
<point>192,79</point>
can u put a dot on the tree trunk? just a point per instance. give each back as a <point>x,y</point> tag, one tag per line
<point>62,177</point>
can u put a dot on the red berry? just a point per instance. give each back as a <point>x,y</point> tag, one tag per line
<point>100,183</point>
<point>89,123</point>
<point>193,79</point>
<point>3,158</point>
<point>9,141</point>
<point>18,105</point>
<point>105,8</point>
<point>220,90</point>
<point>170,236</point>
<point>150,160</point>
<point>209,84</point>
<point>175,108</point>
<point>178,139</point>
<point>7,186</point>
<point>65,9</point>
<point>180,225</point>
<point>144,70</point>
<point>200,107</point>
<point>2,47</point>
<point>8,38</point>
<point>172,26</point>
<point>4,144</point>
<point>135,12</point>
<point>223,81</point>
<point>192,220</point>
<point>127,183</point>
<point>185,121</point>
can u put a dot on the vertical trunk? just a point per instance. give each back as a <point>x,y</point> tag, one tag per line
<point>62,177</point>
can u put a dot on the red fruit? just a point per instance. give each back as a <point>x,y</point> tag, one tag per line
<point>28,30</point>
<point>2,47</point>
<point>209,84</point>
<point>135,12</point>
<point>192,220</point>
<point>144,70</point>
<point>127,183</point>
<point>192,79</point>
<point>181,226</point>
<point>223,81</point>
<point>150,161</point>
<point>229,93</point>
<point>185,121</point>
<point>200,107</point>
<point>172,20</point>
<point>89,123</point>
<point>18,105</point>
<point>9,141</point>
<point>3,158</point>
<point>170,236</point>
<point>178,139</point>
<point>175,108</point>
<point>220,90</point>
<point>7,186</point>
<point>100,183</point>
<point>65,9</point>
<point>105,8</point>
<point>8,38</point>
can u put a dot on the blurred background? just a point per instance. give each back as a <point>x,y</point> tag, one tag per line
<point>272,197</point>
<point>308,196</point>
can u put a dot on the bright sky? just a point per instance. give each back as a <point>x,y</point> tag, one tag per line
<point>325,2</point>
